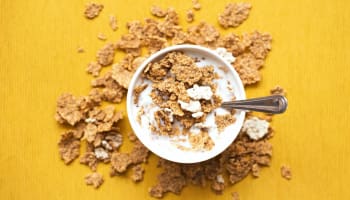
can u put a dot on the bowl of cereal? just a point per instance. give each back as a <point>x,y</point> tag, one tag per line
<point>174,103</point>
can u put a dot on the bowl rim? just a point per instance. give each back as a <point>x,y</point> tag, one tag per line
<point>140,69</point>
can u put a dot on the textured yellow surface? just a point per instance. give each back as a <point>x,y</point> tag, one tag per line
<point>310,58</point>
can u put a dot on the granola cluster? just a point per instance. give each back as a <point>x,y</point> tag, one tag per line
<point>90,121</point>
<point>92,10</point>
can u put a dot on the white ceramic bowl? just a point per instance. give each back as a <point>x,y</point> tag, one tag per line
<point>161,146</point>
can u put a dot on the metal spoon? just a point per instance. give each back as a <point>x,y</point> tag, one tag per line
<point>275,104</point>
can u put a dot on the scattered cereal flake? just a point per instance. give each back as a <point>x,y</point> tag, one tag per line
<point>158,11</point>
<point>136,28</point>
<point>68,109</point>
<point>190,16</point>
<point>196,5</point>
<point>260,44</point>
<point>92,10</point>
<point>180,37</point>
<point>95,179</point>
<point>90,160</point>
<point>137,91</point>
<point>137,173</point>
<point>155,43</point>
<point>248,68</point>
<point>94,68</point>
<point>235,196</point>
<point>129,41</point>
<point>223,121</point>
<point>286,172</point>
<point>202,34</point>
<point>139,153</point>
<point>234,14</point>
<point>169,26</point>
<point>80,50</point>
<point>101,36</point>
<point>105,55</point>
<point>111,90</point>
<point>113,23</point>
<point>121,75</point>
<point>278,90</point>
<point>170,180</point>
<point>119,162</point>
<point>69,146</point>
<point>255,128</point>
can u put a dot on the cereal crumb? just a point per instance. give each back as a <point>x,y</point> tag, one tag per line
<point>113,23</point>
<point>158,11</point>
<point>255,170</point>
<point>80,50</point>
<point>190,16</point>
<point>105,55</point>
<point>94,69</point>
<point>92,10</point>
<point>286,172</point>
<point>278,90</point>
<point>196,5</point>
<point>132,137</point>
<point>223,121</point>
<point>95,179</point>
<point>255,128</point>
<point>69,146</point>
<point>101,36</point>
<point>234,14</point>
<point>235,196</point>
<point>137,173</point>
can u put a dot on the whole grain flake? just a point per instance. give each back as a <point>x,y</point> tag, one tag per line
<point>234,14</point>
<point>92,10</point>
<point>94,68</point>
<point>105,55</point>
<point>95,179</point>
<point>158,11</point>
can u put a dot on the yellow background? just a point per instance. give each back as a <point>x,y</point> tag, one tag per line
<point>310,58</point>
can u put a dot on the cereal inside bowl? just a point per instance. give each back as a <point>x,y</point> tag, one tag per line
<point>175,107</point>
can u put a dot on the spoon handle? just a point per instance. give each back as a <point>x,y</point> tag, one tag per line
<point>275,104</point>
